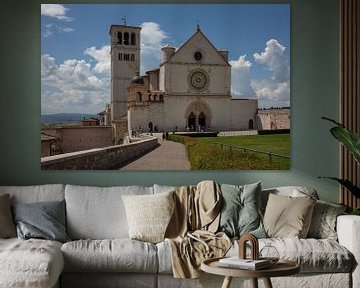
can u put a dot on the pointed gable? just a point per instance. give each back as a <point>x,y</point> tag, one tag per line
<point>198,42</point>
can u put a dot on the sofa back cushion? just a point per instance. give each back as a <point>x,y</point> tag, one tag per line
<point>34,193</point>
<point>98,212</point>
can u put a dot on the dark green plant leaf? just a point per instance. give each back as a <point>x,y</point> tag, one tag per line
<point>348,138</point>
<point>347,184</point>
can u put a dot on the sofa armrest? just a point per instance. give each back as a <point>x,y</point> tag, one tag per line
<point>348,230</point>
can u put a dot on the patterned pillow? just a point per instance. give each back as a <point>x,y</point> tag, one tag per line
<point>323,222</point>
<point>7,226</point>
<point>149,215</point>
<point>240,213</point>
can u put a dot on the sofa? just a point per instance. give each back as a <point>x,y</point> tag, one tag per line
<point>99,253</point>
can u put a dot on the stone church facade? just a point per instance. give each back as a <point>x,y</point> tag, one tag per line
<point>190,90</point>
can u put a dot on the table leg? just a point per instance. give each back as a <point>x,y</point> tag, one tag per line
<point>254,282</point>
<point>227,282</point>
<point>267,283</point>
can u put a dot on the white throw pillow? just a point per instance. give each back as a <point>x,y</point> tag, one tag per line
<point>149,215</point>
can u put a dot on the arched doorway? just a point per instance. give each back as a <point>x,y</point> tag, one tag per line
<point>191,121</point>
<point>251,124</point>
<point>202,120</point>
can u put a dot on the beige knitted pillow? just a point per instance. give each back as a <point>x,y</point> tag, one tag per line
<point>149,215</point>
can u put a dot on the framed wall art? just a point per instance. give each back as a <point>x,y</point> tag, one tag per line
<point>165,86</point>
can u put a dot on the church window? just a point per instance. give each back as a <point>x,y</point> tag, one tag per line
<point>132,57</point>
<point>138,97</point>
<point>120,56</point>
<point>198,56</point>
<point>119,36</point>
<point>126,38</point>
<point>133,39</point>
<point>126,57</point>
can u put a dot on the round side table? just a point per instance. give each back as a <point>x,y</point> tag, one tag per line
<point>281,268</point>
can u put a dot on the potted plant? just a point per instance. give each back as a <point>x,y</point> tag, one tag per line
<point>351,141</point>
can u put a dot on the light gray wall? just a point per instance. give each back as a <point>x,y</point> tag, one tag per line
<point>314,93</point>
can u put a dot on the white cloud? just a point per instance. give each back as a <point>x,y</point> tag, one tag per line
<point>240,77</point>
<point>152,37</point>
<point>66,29</point>
<point>71,86</point>
<point>277,87</point>
<point>57,11</point>
<point>270,90</point>
<point>102,58</point>
<point>274,58</point>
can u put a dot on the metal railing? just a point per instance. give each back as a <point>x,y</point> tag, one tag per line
<point>245,149</point>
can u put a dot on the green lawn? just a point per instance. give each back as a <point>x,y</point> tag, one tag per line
<point>204,155</point>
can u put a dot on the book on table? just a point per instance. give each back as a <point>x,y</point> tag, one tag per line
<point>249,264</point>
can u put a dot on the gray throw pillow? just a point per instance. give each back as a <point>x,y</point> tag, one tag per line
<point>7,226</point>
<point>44,220</point>
<point>323,222</point>
<point>240,213</point>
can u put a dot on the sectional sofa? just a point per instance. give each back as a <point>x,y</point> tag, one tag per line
<point>99,253</point>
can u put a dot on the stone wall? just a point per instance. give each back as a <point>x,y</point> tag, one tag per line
<point>112,157</point>
<point>273,119</point>
<point>78,138</point>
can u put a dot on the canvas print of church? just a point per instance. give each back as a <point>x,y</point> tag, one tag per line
<point>186,98</point>
<point>190,91</point>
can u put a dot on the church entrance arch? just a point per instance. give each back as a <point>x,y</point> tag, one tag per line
<point>198,115</point>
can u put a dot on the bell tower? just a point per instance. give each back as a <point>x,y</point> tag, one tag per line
<point>125,64</point>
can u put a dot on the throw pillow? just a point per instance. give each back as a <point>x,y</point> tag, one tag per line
<point>323,222</point>
<point>7,226</point>
<point>240,213</point>
<point>44,220</point>
<point>288,217</point>
<point>149,215</point>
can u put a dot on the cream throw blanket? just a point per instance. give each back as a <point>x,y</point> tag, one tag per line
<point>191,231</point>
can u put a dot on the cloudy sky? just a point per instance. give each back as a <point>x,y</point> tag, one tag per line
<point>75,60</point>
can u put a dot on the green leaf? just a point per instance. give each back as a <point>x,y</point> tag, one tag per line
<point>348,138</point>
<point>347,184</point>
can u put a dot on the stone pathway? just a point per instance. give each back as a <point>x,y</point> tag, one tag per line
<point>168,156</point>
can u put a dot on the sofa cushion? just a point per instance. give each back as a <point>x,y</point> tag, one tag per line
<point>149,215</point>
<point>7,226</point>
<point>287,216</point>
<point>240,210</point>
<point>323,222</point>
<point>116,255</point>
<point>98,213</point>
<point>35,193</point>
<point>313,255</point>
<point>291,191</point>
<point>43,220</point>
<point>30,263</point>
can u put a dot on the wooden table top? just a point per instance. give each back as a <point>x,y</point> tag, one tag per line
<point>281,268</point>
